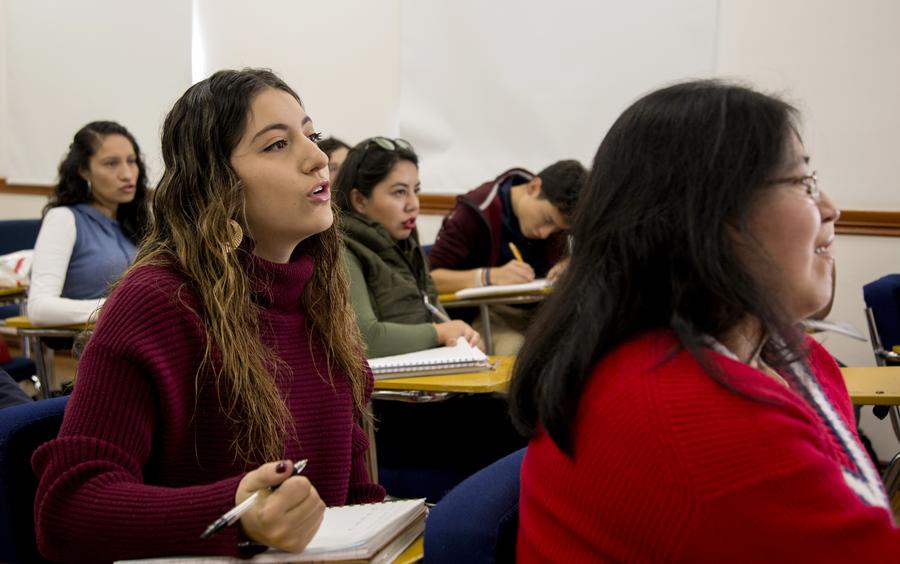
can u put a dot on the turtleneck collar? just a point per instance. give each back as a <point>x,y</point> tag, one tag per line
<point>279,286</point>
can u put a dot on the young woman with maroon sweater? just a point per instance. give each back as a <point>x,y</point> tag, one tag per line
<point>228,351</point>
<point>676,410</point>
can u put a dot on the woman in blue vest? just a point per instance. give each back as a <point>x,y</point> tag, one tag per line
<point>91,225</point>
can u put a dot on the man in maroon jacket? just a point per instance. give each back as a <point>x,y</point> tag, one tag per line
<point>531,212</point>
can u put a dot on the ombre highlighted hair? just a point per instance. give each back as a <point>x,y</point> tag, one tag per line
<point>198,194</point>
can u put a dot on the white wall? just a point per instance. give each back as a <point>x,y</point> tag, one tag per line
<point>486,86</point>
<point>69,63</point>
<point>341,56</point>
<point>838,61</point>
<point>4,124</point>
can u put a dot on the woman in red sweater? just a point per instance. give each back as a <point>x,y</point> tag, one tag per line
<point>676,410</point>
<point>227,352</point>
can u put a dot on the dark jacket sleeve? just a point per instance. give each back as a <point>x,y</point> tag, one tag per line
<point>458,240</point>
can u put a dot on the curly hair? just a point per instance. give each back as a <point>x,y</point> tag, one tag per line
<point>197,196</point>
<point>73,189</point>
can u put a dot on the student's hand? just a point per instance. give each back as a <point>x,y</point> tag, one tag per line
<point>449,331</point>
<point>286,518</point>
<point>557,270</point>
<point>513,272</point>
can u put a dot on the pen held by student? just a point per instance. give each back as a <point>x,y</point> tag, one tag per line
<point>230,517</point>
<point>438,314</point>
<point>515,252</point>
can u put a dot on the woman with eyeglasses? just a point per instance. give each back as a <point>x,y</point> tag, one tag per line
<point>676,409</point>
<point>378,191</point>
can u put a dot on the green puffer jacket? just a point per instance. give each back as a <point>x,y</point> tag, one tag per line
<point>396,273</point>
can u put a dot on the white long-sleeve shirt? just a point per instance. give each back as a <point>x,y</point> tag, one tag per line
<point>52,252</point>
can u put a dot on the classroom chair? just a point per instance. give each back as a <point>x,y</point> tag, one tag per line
<point>16,235</point>
<point>479,519</point>
<point>882,298</point>
<point>23,428</point>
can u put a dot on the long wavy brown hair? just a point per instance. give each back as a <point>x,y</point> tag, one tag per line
<point>198,194</point>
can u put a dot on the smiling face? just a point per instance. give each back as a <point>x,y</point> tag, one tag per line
<point>795,234</point>
<point>112,173</point>
<point>394,202</point>
<point>285,175</point>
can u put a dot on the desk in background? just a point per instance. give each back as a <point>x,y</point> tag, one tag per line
<point>42,355</point>
<point>873,385</point>
<point>450,301</point>
<point>423,389</point>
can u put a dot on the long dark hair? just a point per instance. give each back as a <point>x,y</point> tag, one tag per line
<point>367,164</point>
<point>197,197</point>
<point>672,183</point>
<point>73,189</point>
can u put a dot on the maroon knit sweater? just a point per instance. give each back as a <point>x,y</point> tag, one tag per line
<point>143,462</point>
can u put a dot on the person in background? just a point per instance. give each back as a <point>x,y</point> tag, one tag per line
<point>227,352</point>
<point>10,392</point>
<point>677,410</point>
<point>337,151</point>
<point>378,193</point>
<point>94,220</point>
<point>517,209</point>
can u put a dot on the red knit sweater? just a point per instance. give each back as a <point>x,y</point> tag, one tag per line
<point>142,464</point>
<point>671,466</point>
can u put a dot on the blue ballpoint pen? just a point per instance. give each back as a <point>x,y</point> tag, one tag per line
<point>233,515</point>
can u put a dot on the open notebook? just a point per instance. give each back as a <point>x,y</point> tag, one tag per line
<point>371,532</point>
<point>461,357</point>
<point>535,286</point>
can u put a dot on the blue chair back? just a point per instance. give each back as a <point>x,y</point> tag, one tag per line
<point>478,520</point>
<point>23,428</point>
<point>18,234</point>
<point>883,297</point>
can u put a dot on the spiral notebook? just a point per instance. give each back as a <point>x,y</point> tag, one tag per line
<point>372,532</point>
<point>461,357</point>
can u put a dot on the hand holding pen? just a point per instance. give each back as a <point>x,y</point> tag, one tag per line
<point>516,271</point>
<point>283,511</point>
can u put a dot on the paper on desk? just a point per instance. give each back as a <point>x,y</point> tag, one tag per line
<point>842,327</point>
<point>504,289</point>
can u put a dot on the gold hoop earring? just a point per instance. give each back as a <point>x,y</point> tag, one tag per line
<point>235,236</point>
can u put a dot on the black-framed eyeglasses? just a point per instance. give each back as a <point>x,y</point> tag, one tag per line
<point>388,144</point>
<point>810,182</point>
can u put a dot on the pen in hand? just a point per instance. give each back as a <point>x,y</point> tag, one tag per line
<point>230,517</point>
<point>515,252</point>
<point>436,312</point>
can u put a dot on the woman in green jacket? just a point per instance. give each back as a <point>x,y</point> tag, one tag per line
<point>393,294</point>
<point>377,189</point>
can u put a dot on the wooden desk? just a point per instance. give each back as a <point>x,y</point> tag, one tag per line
<point>424,389</point>
<point>486,382</point>
<point>873,385</point>
<point>450,301</point>
<point>39,353</point>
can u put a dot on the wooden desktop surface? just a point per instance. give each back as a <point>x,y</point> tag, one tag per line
<point>496,380</point>
<point>870,385</point>
<point>12,292</point>
<point>22,322</point>
<point>873,385</point>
